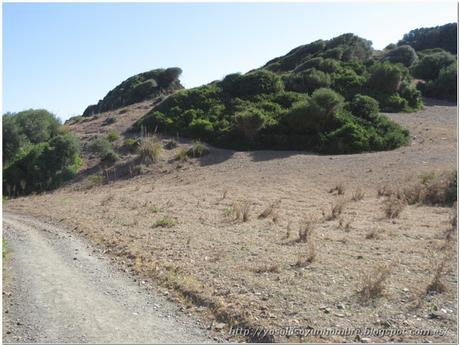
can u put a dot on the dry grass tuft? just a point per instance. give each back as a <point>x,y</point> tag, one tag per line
<point>336,209</point>
<point>345,225</point>
<point>436,285</point>
<point>357,195</point>
<point>307,258</point>
<point>339,188</point>
<point>149,149</point>
<point>306,231</point>
<point>288,230</point>
<point>393,207</point>
<point>372,234</point>
<point>384,191</point>
<point>181,154</point>
<point>267,268</point>
<point>373,284</point>
<point>269,210</point>
<point>241,211</point>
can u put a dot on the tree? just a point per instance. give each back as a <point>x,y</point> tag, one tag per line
<point>37,125</point>
<point>11,138</point>
<point>405,55</point>
<point>444,37</point>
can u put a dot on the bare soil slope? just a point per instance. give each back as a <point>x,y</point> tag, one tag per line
<point>177,227</point>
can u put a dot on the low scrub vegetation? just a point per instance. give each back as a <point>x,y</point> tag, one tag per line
<point>149,149</point>
<point>324,97</point>
<point>103,148</point>
<point>373,284</point>
<point>138,88</point>
<point>38,154</point>
<point>165,222</point>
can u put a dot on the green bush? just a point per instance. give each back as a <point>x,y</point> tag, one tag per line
<point>113,135</point>
<point>364,107</point>
<point>44,167</point>
<point>429,66</point>
<point>307,81</point>
<point>138,88</point>
<point>444,86</point>
<point>404,54</point>
<point>297,101</point>
<point>249,122</point>
<point>385,77</point>
<point>253,83</point>
<point>200,128</point>
<point>444,37</point>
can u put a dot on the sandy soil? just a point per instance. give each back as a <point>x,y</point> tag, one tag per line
<point>245,272</point>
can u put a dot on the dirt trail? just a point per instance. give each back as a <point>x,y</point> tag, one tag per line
<point>63,292</point>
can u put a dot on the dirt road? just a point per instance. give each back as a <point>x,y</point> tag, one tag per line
<point>58,290</point>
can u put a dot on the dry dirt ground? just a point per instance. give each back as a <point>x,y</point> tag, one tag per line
<point>59,291</point>
<point>175,226</point>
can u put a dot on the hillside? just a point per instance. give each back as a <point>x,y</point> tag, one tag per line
<point>180,226</point>
<point>138,88</point>
<point>352,226</point>
<point>323,97</point>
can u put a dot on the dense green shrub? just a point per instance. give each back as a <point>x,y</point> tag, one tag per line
<point>444,86</point>
<point>429,66</point>
<point>385,77</point>
<point>253,83</point>
<point>305,100</point>
<point>364,107</point>
<point>405,55</point>
<point>45,166</point>
<point>444,37</point>
<point>138,88</point>
<point>12,138</point>
<point>249,122</point>
<point>103,149</point>
<point>307,81</point>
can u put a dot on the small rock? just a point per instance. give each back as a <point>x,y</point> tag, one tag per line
<point>219,326</point>
<point>75,258</point>
<point>340,306</point>
<point>365,340</point>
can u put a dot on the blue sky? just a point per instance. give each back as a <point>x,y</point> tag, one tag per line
<point>63,57</point>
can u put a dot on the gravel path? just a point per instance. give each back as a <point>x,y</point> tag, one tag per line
<point>63,292</point>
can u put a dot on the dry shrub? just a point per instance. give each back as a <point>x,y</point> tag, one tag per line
<point>436,285</point>
<point>269,210</point>
<point>373,284</point>
<point>393,206</point>
<point>181,154</point>
<point>452,230</point>
<point>306,231</point>
<point>345,225</point>
<point>241,211</point>
<point>336,209</point>
<point>339,188</point>
<point>307,258</point>
<point>149,149</point>
<point>289,230</point>
<point>267,268</point>
<point>357,195</point>
<point>430,189</point>
<point>372,234</point>
<point>384,191</point>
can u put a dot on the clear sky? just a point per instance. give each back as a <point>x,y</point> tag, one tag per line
<point>63,57</point>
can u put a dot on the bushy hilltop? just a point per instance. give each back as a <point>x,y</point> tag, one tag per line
<point>324,96</point>
<point>435,61</point>
<point>140,87</point>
